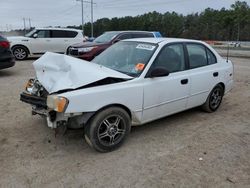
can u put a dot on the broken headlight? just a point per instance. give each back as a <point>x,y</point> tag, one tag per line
<point>57,103</point>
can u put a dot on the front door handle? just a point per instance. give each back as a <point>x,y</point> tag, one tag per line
<point>184,81</point>
<point>215,74</point>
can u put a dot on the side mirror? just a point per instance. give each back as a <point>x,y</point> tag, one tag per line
<point>158,72</point>
<point>35,35</point>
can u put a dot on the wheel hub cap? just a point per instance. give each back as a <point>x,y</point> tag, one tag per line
<point>112,130</point>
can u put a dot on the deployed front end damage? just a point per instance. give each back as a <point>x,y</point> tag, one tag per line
<point>57,74</point>
<point>46,105</point>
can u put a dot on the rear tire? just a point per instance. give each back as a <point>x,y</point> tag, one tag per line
<point>108,129</point>
<point>20,52</point>
<point>214,99</point>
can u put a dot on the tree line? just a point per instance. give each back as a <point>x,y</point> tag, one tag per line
<point>225,24</point>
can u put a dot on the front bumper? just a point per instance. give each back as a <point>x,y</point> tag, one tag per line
<point>82,55</point>
<point>39,106</point>
<point>39,102</point>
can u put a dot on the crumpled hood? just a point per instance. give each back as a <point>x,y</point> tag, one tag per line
<point>59,72</point>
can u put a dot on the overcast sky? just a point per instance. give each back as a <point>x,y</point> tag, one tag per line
<point>68,12</point>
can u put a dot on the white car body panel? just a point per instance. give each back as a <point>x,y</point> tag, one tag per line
<point>39,45</point>
<point>164,96</point>
<point>147,99</point>
<point>128,94</point>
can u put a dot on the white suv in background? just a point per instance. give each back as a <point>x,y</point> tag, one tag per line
<point>41,40</point>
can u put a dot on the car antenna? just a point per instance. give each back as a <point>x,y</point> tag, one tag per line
<point>227,51</point>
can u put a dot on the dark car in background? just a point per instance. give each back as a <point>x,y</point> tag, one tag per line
<point>89,50</point>
<point>6,57</point>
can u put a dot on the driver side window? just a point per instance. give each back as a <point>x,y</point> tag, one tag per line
<point>43,34</point>
<point>172,58</point>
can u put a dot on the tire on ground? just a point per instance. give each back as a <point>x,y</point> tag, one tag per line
<point>100,131</point>
<point>20,52</point>
<point>208,106</point>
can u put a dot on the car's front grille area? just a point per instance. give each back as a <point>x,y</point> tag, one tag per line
<point>73,51</point>
<point>34,100</point>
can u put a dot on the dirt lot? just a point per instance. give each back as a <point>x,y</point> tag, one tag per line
<point>164,153</point>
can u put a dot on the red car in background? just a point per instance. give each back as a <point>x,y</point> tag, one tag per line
<point>89,50</point>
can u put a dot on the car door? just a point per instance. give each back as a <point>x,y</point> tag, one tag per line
<point>204,73</point>
<point>41,42</point>
<point>168,94</point>
<point>60,41</point>
<point>73,37</point>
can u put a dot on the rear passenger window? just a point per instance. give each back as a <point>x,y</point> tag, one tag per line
<point>59,34</point>
<point>71,34</point>
<point>197,55</point>
<point>211,57</point>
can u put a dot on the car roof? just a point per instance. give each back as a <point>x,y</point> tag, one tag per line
<point>57,28</point>
<point>129,31</point>
<point>159,40</point>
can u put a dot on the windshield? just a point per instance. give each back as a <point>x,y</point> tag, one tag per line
<point>30,33</point>
<point>128,57</point>
<point>106,37</point>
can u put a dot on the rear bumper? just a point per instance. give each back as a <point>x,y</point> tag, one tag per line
<point>6,62</point>
<point>229,86</point>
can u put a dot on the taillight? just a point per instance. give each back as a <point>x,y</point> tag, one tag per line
<point>5,44</point>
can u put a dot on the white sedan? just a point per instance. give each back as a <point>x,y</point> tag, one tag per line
<point>131,83</point>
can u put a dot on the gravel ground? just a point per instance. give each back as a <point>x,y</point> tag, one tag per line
<point>189,149</point>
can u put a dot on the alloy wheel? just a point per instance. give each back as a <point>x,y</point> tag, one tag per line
<point>111,130</point>
<point>20,53</point>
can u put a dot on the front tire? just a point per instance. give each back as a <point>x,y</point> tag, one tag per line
<point>20,53</point>
<point>108,129</point>
<point>214,99</point>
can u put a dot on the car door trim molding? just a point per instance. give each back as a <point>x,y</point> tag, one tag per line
<point>198,93</point>
<point>166,102</point>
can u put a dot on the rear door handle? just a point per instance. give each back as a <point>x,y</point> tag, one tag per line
<point>184,81</point>
<point>215,74</point>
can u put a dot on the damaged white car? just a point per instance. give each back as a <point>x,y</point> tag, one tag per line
<point>131,83</point>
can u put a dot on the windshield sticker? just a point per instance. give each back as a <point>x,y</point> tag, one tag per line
<point>145,47</point>
<point>139,66</point>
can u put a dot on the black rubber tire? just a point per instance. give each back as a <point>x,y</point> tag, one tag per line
<point>67,51</point>
<point>207,106</point>
<point>20,49</point>
<point>93,127</point>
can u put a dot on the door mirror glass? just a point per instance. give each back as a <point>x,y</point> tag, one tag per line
<point>158,72</point>
<point>35,35</point>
